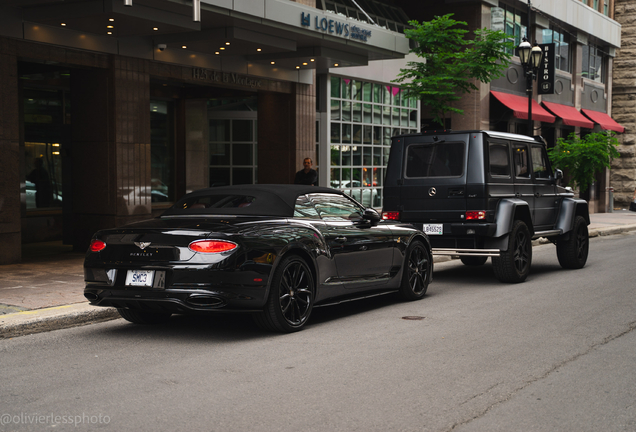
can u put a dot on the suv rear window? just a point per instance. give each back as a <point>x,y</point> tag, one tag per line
<point>435,160</point>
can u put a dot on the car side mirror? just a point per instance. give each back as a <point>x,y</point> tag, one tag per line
<point>371,215</point>
<point>558,174</point>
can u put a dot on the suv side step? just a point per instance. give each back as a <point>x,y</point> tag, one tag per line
<point>467,252</point>
<point>549,233</point>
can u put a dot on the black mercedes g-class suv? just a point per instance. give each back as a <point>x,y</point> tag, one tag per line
<point>480,194</point>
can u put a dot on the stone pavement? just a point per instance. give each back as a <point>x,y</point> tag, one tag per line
<point>45,291</point>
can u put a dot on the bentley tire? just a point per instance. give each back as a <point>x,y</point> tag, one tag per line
<point>415,276</point>
<point>513,265</point>
<point>143,317</point>
<point>291,297</point>
<point>474,261</point>
<point>572,253</point>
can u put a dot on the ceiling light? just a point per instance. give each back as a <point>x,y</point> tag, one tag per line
<point>227,43</point>
<point>305,64</point>
<point>109,26</point>
<point>111,19</point>
<point>222,48</point>
<point>313,60</point>
<point>272,62</point>
<point>55,145</point>
<point>217,53</point>
<point>109,32</point>
<point>63,24</point>
<point>183,46</point>
<point>155,28</point>
<point>297,67</point>
<point>258,49</point>
<point>335,64</point>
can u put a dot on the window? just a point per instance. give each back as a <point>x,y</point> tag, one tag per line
<point>435,160</point>
<point>520,160</point>
<point>561,42</point>
<point>510,21</point>
<point>593,63</point>
<point>304,209</point>
<point>161,151</point>
<point>363,118</point>
<point>499,162</point>
<point>336,207</point>
<point>540,164</point>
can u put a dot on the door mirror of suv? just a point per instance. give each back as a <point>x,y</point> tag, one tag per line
<point>558,174</point>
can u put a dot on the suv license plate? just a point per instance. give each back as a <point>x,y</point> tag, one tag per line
<point>139,277</point>
<point>433,229</point>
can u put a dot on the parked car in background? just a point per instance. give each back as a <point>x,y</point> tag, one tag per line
<point>481,194</point>
<point>274,251</point>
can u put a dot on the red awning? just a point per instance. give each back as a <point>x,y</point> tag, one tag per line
<point>519,107</point>
<point>570,115</point>
<point>606,122</point>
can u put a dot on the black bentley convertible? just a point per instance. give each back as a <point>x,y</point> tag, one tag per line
<point>275,251</point>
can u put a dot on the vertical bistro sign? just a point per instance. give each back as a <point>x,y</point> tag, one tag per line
<point>334,27</point>
<point>546,70</point>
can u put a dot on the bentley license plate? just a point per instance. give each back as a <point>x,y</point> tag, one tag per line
<point>433,229</point>
<point>139,277</point>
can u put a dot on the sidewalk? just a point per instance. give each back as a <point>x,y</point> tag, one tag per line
<point>46,291</point>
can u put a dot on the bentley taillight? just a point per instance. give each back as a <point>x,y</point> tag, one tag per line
<point>97,245</point>
<point>475,215</point>
<point>212,246</point>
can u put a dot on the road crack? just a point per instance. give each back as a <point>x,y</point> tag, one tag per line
<point>631,326</point>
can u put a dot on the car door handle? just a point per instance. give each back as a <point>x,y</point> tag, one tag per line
<point>340,239</point>
<point>537,195</point>
<point>518,194</point>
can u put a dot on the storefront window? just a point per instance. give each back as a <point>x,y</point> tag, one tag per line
<point>510,21</point>
<point>360,139</point>
<point>161,151</point>
<point>593,60</point>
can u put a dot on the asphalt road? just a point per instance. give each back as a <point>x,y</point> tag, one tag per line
<point>553,353</point>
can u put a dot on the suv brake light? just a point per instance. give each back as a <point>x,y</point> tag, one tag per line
<point>475,215</point>
<point>395,215</point>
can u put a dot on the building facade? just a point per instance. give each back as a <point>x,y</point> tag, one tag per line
<point>113,109</point>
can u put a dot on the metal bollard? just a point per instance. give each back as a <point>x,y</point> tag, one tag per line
<point>610,202</point>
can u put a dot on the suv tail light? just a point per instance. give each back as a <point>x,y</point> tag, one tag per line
<point>476,215</point>
<point>391,215</point>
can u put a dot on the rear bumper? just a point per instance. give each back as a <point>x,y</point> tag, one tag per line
<point>246,299</point>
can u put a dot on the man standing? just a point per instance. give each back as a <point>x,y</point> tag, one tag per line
<point>306,176</point>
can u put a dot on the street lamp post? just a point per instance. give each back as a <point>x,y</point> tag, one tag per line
<point>531,60</point>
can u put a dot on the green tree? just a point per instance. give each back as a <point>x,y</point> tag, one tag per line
<point>451,62</point>
<point>584,157</point>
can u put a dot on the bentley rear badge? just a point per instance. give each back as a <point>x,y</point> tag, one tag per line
<point>432,191</point>
<point>142,245</point>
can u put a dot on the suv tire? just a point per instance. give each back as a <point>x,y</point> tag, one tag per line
<point>572,253</point>
<point>513,265</point>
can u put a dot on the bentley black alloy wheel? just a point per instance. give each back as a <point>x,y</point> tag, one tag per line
<point>415,276</point>
<point>291,297</point>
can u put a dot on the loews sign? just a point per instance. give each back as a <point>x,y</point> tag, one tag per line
<point>226,78</point>
<point>334,27</point>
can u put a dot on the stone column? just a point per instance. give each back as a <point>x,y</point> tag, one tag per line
<point>623,174</point>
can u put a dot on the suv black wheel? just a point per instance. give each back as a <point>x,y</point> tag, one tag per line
<point>415,275</point>
<point>143,317</point>
<point>291,297</point>
<point>572,253</point>
<point>474,261</point>
<point>513,265</point>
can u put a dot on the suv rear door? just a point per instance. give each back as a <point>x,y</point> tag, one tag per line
<point>434,179</point>
<point>546,200</point>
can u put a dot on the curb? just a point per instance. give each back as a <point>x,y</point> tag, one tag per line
<point>43,320</point>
